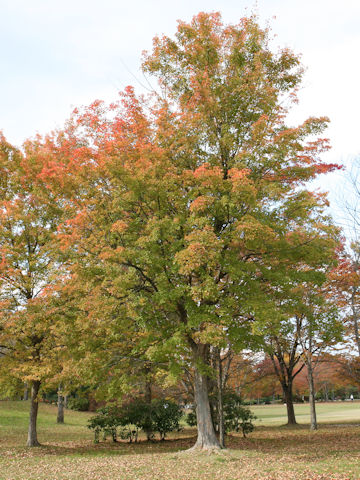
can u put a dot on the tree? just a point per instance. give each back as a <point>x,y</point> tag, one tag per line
<point>345,288</point>
<point>187,206</point>
<point>28,335</point>
<point>320,328</point>
<point>285,355</point>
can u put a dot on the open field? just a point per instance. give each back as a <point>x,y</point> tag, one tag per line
<point>327,412</point>
<point>270,453</point>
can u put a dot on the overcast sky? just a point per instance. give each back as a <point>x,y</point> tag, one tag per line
<point>58,54</point>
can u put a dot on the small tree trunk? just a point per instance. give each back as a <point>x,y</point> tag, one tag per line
<point>148,397</point>
<point>206,439</point>
<point>32,440</point>
<point>26,392</point>
<point>355,317</point>
<point>326,392</point>
<point>287,389</point>
<point>60,411</point>
<point>220,401</point>
<point>313,421</point>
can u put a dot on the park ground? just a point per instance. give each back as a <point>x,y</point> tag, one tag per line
<point>271,452</point>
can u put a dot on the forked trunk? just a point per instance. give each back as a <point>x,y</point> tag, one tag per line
<point>206,439</point>
<point>60,412</point>
<point>287,389</point>
<point>32,440</point>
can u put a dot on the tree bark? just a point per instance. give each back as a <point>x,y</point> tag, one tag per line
<point>355,317</point>
<point>220,400</point>
<point>60,412</point>
<point>287,389</point>
<point>148,397</point>
<point>26,392</point>
<point>206,439</point>
<point>32,440</point>
<point>313,421</point>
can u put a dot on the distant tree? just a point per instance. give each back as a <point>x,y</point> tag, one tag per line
<point>320,329</point>
<point>283,348</point>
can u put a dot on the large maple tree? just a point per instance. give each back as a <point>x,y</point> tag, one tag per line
<point>189,207</point>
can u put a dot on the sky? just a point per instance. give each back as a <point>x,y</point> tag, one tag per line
<point>58,54</point>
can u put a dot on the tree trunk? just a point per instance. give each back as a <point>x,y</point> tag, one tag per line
<point>287,389</point>
<point>60,412</point>
<point>206,439</point>
<point>220,401</point>
<point>32,440</point>
<point>26,392</point>
<point>326,393</point>
<point>355,317</point>
<point>148,397</point>
<point>313,422</point>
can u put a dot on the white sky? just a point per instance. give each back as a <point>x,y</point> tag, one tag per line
<point>58,54</point>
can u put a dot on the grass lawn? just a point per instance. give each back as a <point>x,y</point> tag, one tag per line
<point>327,412</point>
<point>271,452</point>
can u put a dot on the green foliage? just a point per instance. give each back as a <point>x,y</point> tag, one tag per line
<point>161,416</point>
<point>135,416</point>
<point>81,404</point>
<point>191,418</point>
<point>99,423</point>
<point>236,416</point>
<point>165,416</point>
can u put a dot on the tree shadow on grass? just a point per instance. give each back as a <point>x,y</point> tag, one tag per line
<point>281,441</point>
<point>103,449</point>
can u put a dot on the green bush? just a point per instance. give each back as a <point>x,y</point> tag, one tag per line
<point>161,416</point>
<point>191,419</point>
<point>236,416</point>
<point>104,422</point>
<point>78,403</point>
<point>135,416</point>
<point>165,417</point>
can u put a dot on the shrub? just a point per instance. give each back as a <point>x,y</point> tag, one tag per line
<point>162,416</point>
<point>135,416</point>
<point>191,419</point>
<point>236,416</point>
<point>78,403</point>
<point>165,417</point>
<point>107,420</point>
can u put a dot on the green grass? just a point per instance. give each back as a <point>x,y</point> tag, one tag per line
<point>329,412</point>
<point>269,453</point>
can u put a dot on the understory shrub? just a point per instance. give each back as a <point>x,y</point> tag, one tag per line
<point>165,417</point>
<point>161,416</point>
<point>237,417</point>
<point>78,403</point>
